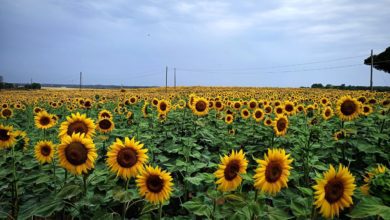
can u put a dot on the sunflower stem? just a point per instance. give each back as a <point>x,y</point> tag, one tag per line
<point>272,139</point>
<point>15,187</point>
<point>85,183</point>
<point>54,175</point>
<point>160,211</point>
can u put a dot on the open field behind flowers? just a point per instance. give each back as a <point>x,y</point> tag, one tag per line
<point>194,153</point>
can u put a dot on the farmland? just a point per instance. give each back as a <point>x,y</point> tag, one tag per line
<point>194,152</point>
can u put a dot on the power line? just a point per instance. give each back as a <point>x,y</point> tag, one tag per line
<point>270,67</point>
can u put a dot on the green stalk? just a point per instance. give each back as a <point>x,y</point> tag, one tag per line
<point>85,184</point>
<point>14,188</point>
<point>124,210</point>
<point>160,211</point>
<point>54,175</point>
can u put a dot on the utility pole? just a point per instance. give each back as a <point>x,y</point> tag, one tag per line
<point>81,75</point>
<point>174,70</point>
<point>166,79</point>
<point>1,82</point>
<point>372,64</point>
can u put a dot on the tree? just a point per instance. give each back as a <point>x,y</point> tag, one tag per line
<point>381,61</point>
<point>317,85</point>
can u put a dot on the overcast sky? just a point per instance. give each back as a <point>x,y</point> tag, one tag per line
<point>232,43</point>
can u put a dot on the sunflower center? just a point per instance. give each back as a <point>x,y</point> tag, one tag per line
<point>231,170</point>
<point>44,120</point>
<point>366,109</point>
<point>4,135</point>
<point>334,190</point>
<point>348,107</point>
<point>154,183</point>
<point>218,104</point>
<point>163,106</point>
<point>105,124</point>
<point>6,113</point>
<point>155,102</point>
<point>281,124</point>
<point>246,113</point>
<point>327,113</point>
<point>268,109</point>
<point>273,171</point>
<point>76,153</point>
<point>77,127</point>
<point>126,157</point>
<point>258,114</point>
<point>279,110</point>
<point>45,150</point>
<point>252,104</point>
<point>200,106</point>
<point>237,105</point>
<point>289,108</point>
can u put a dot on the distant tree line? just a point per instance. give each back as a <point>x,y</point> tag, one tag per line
<point>5,85</point>
<point>344,87</point>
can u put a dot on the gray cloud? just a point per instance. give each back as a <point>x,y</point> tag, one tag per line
<point>210,42</point>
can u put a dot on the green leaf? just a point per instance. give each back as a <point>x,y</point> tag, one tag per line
<point>198,208</point>
<point>69,191</point>
<point>194,180</point>
<point>370,206</point>
<point>277,214</point>
<point>306,191</point>
<point>47,209</point>
<point>125,196</point>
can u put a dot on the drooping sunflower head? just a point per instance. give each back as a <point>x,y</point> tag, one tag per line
<point>105,114</point>
<point>280,125</point>
<point>77,153</point>
<point>348,108</point>
<point>370,175</point>
<point>44,151</point>
<point>327,113</point>
<point>258,114</point>
<point>245,114</point>
<point>154,184</point>
<point>334,191</point>
<point>145,110</point>
<point>105,125</point>
<point>6,113</point>
<point>77,123</point>
<point>229,171</point>
<point>7,136</point>
<point>200,106</point>
<point>44,120</point>
<point>126,159</point>
<point>272,173</point>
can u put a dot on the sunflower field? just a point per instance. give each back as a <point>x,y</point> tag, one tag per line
<point>195,153</point>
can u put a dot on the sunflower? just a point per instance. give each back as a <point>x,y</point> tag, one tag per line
<point>252,104</point>
<point>324,101</point>
<point>44,120</point>
<point>366,110</point>
<point>236,105</point>
<point>267,109</point>
<point>77,153</point>
<point>258,114</point>
<point>105,125</point>
<point>327,113</point>
<point>126,159</point>
<point>229,119</point>
<point>334,191</point>
<point>105,114</point>
<point>300,108</point>
<point>279,110</point>
<point>37,110</point>
<point>268,122</point>
<point>280,125</point>
<point>77,123</point>
<point>163,106</point>
<point>155,102</point>
<point>348,108</point>
<point>370,175</point>
<point>6,113</point>
<point>219,105</point>
<point>232,131</point>
<point>145,109</point>
<point>200,107</point>
<point>7,136</point>
<point>154,184</point>
<point>272,173</point>
<point>44,151</point>
<point>229,171</point>
<point>245,114</point>
<point>289,108</point>
<point>339,135</point>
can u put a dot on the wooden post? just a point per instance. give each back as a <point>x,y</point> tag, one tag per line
<point>372,64</point>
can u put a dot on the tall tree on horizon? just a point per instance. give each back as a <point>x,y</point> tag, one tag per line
<point>381,61</point>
